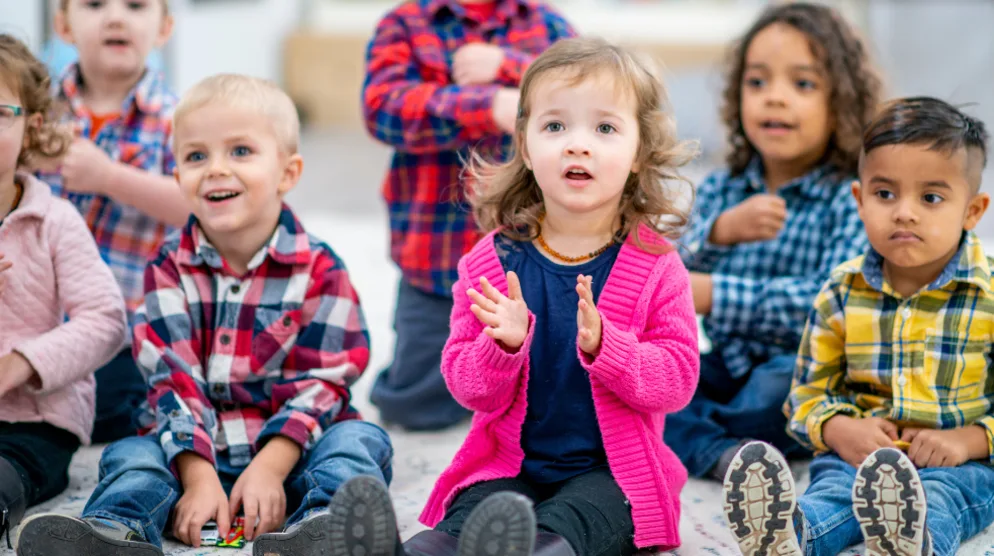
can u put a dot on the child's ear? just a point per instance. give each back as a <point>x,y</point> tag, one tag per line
<point>291,174</point>
<point>62,28</point>
<point>975,210</point>
<point>32,125</point>
<point>165,31</point>
<point>856,188</point>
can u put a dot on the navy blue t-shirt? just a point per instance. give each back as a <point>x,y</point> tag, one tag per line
<point>561,437</point>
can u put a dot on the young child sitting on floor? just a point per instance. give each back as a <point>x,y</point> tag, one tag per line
<point>250,337</point>
<point>896,356</point>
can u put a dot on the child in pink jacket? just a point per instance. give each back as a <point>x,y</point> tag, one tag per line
<point>49,270</point>
<point>573,330</point>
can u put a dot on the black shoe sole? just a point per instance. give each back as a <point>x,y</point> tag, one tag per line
<point>759,502</point>
<point>361,522</point>
<point>501,525</point>
<point>889,503</point>
<point>48,535</point>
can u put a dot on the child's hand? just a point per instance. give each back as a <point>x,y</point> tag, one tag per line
<point>505,318</point>
<point>943,448</point>
<point>855,439</point>
<point>16,371</point>
<point>86,168</point>
<point>476,64</point>
<point>4,267</point>
<point>203,500</point>
<point>588,320</point>
<point>505,109</point>
<point>758,218</point>
<point>259,489</point>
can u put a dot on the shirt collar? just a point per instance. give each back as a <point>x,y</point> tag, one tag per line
<point>289,245</point>
<point>819,183</point>
<point>148,95</point>
<point>968,266</point>
<point>506,9</point>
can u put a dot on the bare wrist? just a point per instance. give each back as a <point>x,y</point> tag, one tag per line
<point>717,235</point>
<point>829,426</point>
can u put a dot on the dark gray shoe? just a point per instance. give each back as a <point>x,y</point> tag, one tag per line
<point>760,502</point>
<point>13,500</point>
<point>362,521</point>
<point>501,525</point>
<point>889,502</point>
<point>49,534</point>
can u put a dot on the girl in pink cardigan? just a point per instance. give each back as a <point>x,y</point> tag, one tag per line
<point>573,332</point>
<point>49,269</point>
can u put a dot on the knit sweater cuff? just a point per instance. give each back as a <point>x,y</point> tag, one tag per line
<point>494,355</point>
<point>612,361</point>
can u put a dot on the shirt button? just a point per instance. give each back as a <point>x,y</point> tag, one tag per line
<point>175,413</point>
<point>287,321</point>
<point>902,380</point>
<point>182,436</point>
<point>219,388</point>
<point>225,339</point>
<point>235,289</point>
<point>906,312</point>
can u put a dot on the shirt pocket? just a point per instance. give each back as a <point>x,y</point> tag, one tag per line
<point>275,332</point>
<point>956,368</point>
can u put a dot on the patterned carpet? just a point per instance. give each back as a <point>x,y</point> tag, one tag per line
<point>421,457</point>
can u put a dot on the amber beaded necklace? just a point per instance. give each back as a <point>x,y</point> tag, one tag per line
<point>565,258</point>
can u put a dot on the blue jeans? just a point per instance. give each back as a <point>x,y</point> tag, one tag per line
<point>960,503</point>
<point>725,410</point>
<point>138,489</point>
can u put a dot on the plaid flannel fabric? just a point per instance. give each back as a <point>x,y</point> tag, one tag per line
<point>126,237</point>
<point>232,361</point>
<point>411,103</point>
<point>763,290</point>
<point>923,360</point>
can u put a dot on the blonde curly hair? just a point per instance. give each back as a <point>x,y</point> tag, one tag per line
<point>507,195</point>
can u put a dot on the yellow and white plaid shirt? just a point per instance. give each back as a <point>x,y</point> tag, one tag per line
<point>919,361</point>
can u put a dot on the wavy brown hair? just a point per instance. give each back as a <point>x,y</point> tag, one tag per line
<point>22,74</point>
<point>854,84</point>
<point>507,196</point>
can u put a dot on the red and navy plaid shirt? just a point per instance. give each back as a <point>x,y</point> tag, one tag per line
<point>233,361</point>
<point>126,237</point>
<point>411,104</point>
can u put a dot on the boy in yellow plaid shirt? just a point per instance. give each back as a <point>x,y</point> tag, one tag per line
<point>893,387</point>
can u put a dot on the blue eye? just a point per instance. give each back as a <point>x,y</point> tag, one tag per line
<point>932,198</point>
<point>241,150</point>
<point>196,156</point>
<point>606,129</point>
<point>554,127</point>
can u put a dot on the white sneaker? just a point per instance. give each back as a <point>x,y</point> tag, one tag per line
<point>889,502</point>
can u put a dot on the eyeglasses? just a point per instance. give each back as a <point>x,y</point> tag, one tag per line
<point>9,113</point>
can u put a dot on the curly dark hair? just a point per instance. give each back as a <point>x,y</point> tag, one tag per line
<point>855,85</point>
<point>25,76</point>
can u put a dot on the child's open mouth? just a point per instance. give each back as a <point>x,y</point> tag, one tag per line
<point>578,174</point>
<point>220,196</point>
<point>776,125</point>
<point>118,43</point>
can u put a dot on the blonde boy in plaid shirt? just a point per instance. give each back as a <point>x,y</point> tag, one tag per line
<point>893,386</point>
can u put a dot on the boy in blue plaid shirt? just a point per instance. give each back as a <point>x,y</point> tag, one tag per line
<point>768,229</point>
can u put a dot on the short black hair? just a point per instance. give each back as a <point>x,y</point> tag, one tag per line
<point>925,121</point>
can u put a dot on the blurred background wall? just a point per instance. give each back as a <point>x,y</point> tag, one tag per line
<point>315,49</point>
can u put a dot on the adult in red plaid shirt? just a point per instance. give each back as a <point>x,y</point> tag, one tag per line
<point>442,78</point>
<point>250,336</point>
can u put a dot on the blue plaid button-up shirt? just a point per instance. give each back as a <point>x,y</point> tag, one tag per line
<point>764,290</point>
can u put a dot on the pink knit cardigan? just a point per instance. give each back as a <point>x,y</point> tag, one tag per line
<point>647,367</point>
